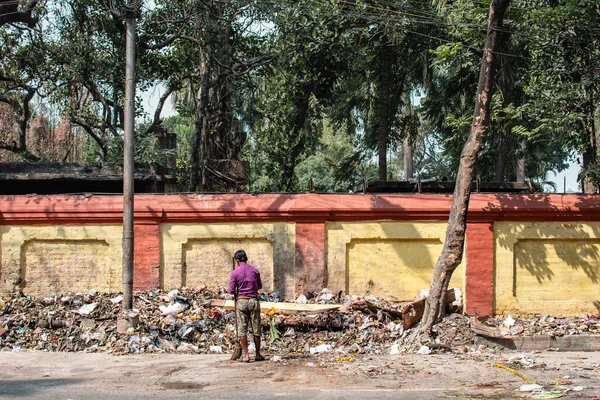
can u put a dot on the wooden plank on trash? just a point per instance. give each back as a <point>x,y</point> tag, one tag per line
<point>412,313</point>
<point>286,308</point>
<point>495,332</point>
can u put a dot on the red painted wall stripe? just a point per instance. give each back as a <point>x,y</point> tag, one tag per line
<point>479,269</point>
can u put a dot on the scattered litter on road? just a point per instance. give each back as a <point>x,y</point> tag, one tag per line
<point>531,387</point>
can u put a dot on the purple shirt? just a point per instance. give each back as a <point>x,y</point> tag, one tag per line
<point>247,280</point>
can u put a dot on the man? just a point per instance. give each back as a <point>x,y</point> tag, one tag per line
<point>244,284</point>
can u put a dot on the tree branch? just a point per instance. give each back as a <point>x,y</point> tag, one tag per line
<point>9,13</point>
<point>161,103</point>
<point>240,69</point>
<point>26,154</point>
<point>145,45</point>
<point>90,131</point>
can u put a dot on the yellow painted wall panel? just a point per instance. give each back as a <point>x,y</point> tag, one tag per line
<point>384,258</point>
<point>198,254</point>
<point>209,262</point>
<point>49,260</point>
<point>557,269</point>
<point>547,268</point>
<point>62,266</point>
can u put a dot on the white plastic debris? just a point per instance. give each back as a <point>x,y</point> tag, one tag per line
<point>458,297</point>
<point>521,359</point>
<point>216,349</point>
<point>395,349</point>
<point>276,358</point>
<point>392,326</point>
<point>87,309</point>
<point>173,309</point>
<point>422,294</point>
<point>301,299</point>
<point>65,299</point>
<point>424,350</point>
<point>509,321</point>
<point>117,299</point>
<point>322,348</point>
<point>325,295</point>
<point>530,387</point>
<point>187,348</point>
<point>173,293</point>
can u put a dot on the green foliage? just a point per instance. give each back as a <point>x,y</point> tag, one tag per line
<point>274,334</point>
<point>335,166</point>
<point>313,110</point>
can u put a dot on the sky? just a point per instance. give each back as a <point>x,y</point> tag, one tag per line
<point>570,175</point>
<point>150,102</point>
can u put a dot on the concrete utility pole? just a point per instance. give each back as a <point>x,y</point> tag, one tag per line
<point>128,165</point>
<point>130,11</point>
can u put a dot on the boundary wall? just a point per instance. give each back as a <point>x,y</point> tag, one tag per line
<point>524,254</point>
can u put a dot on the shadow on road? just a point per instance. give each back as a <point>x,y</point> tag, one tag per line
<point>24,388</point>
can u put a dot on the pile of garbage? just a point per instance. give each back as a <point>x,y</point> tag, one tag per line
<point>183,320</point>
<point>186,320</point>
<point>174,321</point>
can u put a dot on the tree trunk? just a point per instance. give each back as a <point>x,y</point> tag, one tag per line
<point>217,141</point>
<point>22,113</point>
<point>197,179</point>
<point>589,159</point>
<point>521,162</point>
<point>589,155</point>
<point>452,250</point>
<point>383,128</point>
<point>507,88</point>
<point>301,106</point>
<point>501,154</point>
<point>408,160</point>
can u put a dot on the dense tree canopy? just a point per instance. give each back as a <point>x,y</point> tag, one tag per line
<point>292,95</point>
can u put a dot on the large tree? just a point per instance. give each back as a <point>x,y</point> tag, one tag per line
<point>452,250</point>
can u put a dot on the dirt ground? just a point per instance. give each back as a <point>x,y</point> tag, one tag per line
<point>40,375</point>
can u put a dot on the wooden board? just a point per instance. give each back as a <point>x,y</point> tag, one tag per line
<point>285,308</point>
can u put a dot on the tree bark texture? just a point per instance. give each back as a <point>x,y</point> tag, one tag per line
<point>452,250</point>
<point>22,112</point>
<point>301,104</point>
<point>217,140</point>
<point>589,159</point>
<point>383,127</point>
<point>507,89</point>
<point>591,148</point>
<point>501,154</point>
<point>408,158</point>
<point>521,162</point>
<point>198,153</point>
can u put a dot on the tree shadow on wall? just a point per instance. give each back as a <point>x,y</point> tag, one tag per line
<point>418,253</point>
<point>573,245</point>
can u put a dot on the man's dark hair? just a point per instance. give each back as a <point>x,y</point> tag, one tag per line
<point>240,255</point>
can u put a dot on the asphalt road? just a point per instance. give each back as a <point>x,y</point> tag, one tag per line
<point>38,375</point>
